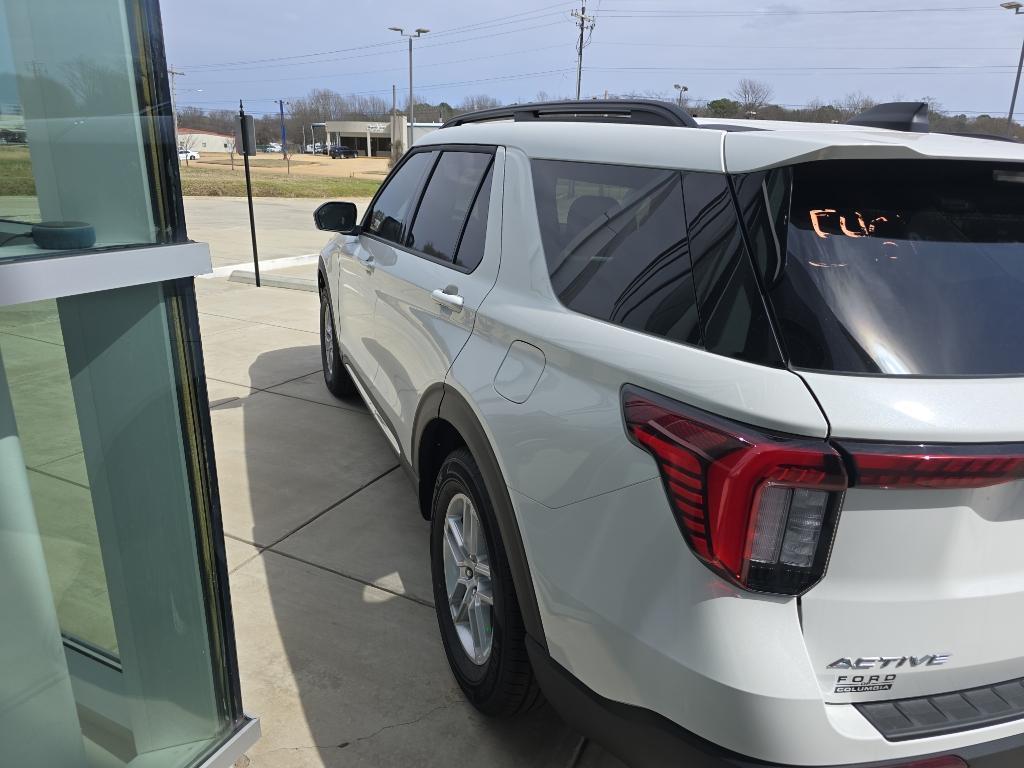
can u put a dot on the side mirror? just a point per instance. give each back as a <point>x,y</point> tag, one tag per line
<point>337,217</point>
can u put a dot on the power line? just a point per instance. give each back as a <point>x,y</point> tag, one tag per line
<point>429,86</point>
<point>497,22</point>
<point>801,47</point>
<point>638,13</point>
<point>322,75</point>
<point>911,69</point>
<point>384,53</point>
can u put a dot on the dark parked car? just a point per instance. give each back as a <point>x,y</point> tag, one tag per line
<point>340,150</point>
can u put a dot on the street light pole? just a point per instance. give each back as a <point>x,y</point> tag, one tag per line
<point>412,101</point>
<point>1017,9</point>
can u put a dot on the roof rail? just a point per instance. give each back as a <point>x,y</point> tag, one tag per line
<point>637,112</point>
<point>911,116</point>
<point>986,136</point>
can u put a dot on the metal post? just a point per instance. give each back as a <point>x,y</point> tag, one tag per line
<point>1013,100</point>
<point>246,150</point>
<point>412,101</point>
<point>284,135</point>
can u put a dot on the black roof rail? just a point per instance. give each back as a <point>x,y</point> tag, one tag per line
<point>637,112</point>
<point>986,136</point>
<point>910,116</point>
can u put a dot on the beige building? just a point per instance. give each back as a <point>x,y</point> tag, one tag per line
<point>205,141</point>
<point>374,138</point>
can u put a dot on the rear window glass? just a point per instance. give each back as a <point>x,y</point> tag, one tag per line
<point>902,268</point>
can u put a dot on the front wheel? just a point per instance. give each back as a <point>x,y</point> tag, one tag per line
<point>335,376</point>
<point>477,610</point>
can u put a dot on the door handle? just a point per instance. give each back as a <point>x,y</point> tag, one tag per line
<point>366,261</point>
<point>449,297</point>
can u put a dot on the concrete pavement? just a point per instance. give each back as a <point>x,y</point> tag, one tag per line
<point>284,227</point>
<point>338,643</point>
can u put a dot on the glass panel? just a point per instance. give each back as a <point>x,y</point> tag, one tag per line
<point>615,242</point>
<point>733,312</point>
<point>394,205</point>
<point>471,249</point>
<point>446,203</point>
<point>71,130</point>
<point>905,268</point>
<point>89,395</point>
<point>32,345</point>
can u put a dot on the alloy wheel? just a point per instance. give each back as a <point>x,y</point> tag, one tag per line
<point>467,574</point>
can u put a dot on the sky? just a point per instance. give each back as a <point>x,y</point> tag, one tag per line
<point>962,53</point>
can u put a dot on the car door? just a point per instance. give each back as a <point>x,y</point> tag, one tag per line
<point>430,286</point>
<point>354,299</point>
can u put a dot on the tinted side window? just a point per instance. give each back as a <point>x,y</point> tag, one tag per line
<point>764,205</point>
<point>446,202</point>
<point>392,208</point>
<point>615,242</point>
<point>735,321</point>
<point>471,249</point>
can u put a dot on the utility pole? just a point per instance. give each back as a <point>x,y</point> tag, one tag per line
<point>412,105</point>
<point>284,135</point>
<point>585,23</point>
<point>1017,9</point>
<point>174,75</point>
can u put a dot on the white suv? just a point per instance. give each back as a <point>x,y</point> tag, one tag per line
<point>718,425</point>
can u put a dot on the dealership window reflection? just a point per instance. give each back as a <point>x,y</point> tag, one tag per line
<point>73,171</point>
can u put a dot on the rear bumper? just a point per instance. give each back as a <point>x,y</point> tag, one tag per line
<point>645,739</point>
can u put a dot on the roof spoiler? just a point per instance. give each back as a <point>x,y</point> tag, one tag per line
<point>910,116</point>
<point>635,111</point>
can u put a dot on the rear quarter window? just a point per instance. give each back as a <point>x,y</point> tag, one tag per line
<point>616,247</point>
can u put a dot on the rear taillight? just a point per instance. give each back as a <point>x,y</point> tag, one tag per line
<point>881,465</point>
<point>758,508</point>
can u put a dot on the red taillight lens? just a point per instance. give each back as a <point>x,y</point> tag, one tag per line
<point>758,508</point>
<point>880,465</point>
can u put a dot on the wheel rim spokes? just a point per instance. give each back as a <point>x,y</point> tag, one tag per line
<point>328,341</point>
<point>468,578</point>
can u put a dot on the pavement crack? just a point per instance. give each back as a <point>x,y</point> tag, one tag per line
<point>343,744</point>
<point>403,724</point>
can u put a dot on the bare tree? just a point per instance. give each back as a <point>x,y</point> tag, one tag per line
<point>187,141</point>
<point>480,101</point>
<point>752,94</point>
<point>853,104</point>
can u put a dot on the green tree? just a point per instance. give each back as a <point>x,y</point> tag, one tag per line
<point>723,108</point>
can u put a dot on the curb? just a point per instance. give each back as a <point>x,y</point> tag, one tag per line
<point>274,281</point>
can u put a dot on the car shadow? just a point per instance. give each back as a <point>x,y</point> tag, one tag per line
<point>338,643</point>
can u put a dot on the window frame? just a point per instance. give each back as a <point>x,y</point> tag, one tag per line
<point>439,149</point>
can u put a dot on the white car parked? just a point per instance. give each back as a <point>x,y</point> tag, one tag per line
<point>187,154</point>
<point>719,425</point>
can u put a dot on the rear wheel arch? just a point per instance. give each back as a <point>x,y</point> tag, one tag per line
<point>445,422</point>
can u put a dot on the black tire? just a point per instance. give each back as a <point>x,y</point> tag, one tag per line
<point>504,684</point>
<point>335,376</point>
